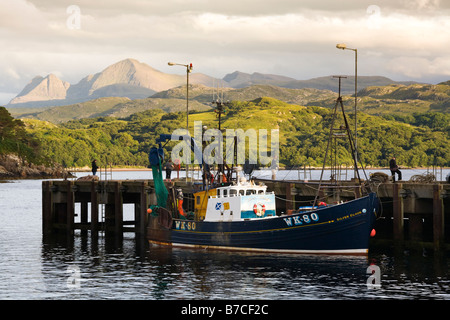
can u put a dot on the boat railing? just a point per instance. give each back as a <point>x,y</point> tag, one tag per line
<point>240,194</point>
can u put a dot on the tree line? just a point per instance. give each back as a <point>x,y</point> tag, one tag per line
<point>415,139</point>
<point>15,139</point>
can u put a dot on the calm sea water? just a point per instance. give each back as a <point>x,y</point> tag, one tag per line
<point>87,268</point>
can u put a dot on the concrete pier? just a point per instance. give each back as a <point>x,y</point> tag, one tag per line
<point>105,200</point>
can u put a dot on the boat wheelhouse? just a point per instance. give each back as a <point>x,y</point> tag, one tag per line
<point>238,202</point>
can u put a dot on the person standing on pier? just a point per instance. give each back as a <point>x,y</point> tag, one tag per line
<point>94,167</point>
<point>394,169</point>
<point>274,166</point>
<point>169,167</point>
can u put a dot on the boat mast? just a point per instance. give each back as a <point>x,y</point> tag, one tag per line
<point>332,135</point>
<point>220,109</point>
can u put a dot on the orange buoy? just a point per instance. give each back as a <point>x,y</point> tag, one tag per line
<point>373,233</point>
<point>149,210</point>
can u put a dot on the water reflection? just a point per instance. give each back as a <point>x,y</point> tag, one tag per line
<point>129,268</point>
<point>108,269</point>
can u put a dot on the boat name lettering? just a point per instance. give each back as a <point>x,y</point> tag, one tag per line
<point>301,219</point>
<point>185,225</point>
<point>351,215</point>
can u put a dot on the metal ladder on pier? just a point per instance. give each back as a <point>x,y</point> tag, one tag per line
<point>105,175</point>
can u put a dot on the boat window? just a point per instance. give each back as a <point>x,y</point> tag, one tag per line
<point>225,193</point>
<point>248,192</point>
<point>261,192</point>
<point>241,192</point>
<point>233,192</point>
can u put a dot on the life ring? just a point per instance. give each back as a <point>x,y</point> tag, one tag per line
<point>259,212</point>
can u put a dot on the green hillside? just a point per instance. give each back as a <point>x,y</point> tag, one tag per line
<point>103,107</point>
<point>410,121</point>
<point>14,138</point>
<point>303,135</point>
<point>396,99</point>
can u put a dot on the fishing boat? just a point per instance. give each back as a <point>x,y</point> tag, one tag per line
<point>242,216</point>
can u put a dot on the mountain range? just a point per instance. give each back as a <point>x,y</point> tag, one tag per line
<point>132,79</point>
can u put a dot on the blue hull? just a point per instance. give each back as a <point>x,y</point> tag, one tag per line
<point>338,229</point>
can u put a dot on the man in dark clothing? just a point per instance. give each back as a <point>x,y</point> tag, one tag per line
<point>169,167</point>
<point>94,167</point>
<point>394,169</point>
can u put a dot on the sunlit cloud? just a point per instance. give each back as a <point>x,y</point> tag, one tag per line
<point>399,39</point>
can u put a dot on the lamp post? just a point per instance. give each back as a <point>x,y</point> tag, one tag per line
<point>343,46</point>
<point>188,70</point>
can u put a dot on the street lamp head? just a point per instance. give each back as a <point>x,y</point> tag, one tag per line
<point>171,64</point>
<point>342,46</point>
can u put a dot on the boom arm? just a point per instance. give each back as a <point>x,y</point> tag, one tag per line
<point>197,151</point>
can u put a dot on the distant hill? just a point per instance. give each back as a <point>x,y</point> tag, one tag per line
<point>89,109</point>
<point>376,100</point>
<point>239,79</point>
<point>171,100</point>
<point>398,99</point>
<point>347,84</point>
<point>136,80</point>
<point>118,107</point>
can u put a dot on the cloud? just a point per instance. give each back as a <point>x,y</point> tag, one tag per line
<point>417,67</point>
<point>18,15</point>
<point>290,37</point>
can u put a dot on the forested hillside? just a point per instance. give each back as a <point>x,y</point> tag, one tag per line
<point>14,139</point>
<point>419,139</point>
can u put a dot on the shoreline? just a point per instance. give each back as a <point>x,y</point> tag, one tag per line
<point>84,169</point>
<point>116,169</point>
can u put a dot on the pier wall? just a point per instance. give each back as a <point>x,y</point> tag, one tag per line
<point>101,205</point>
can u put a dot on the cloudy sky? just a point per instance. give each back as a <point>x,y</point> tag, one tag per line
<point>400,39</point>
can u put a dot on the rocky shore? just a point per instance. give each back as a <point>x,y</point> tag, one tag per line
<point>14,167</point>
